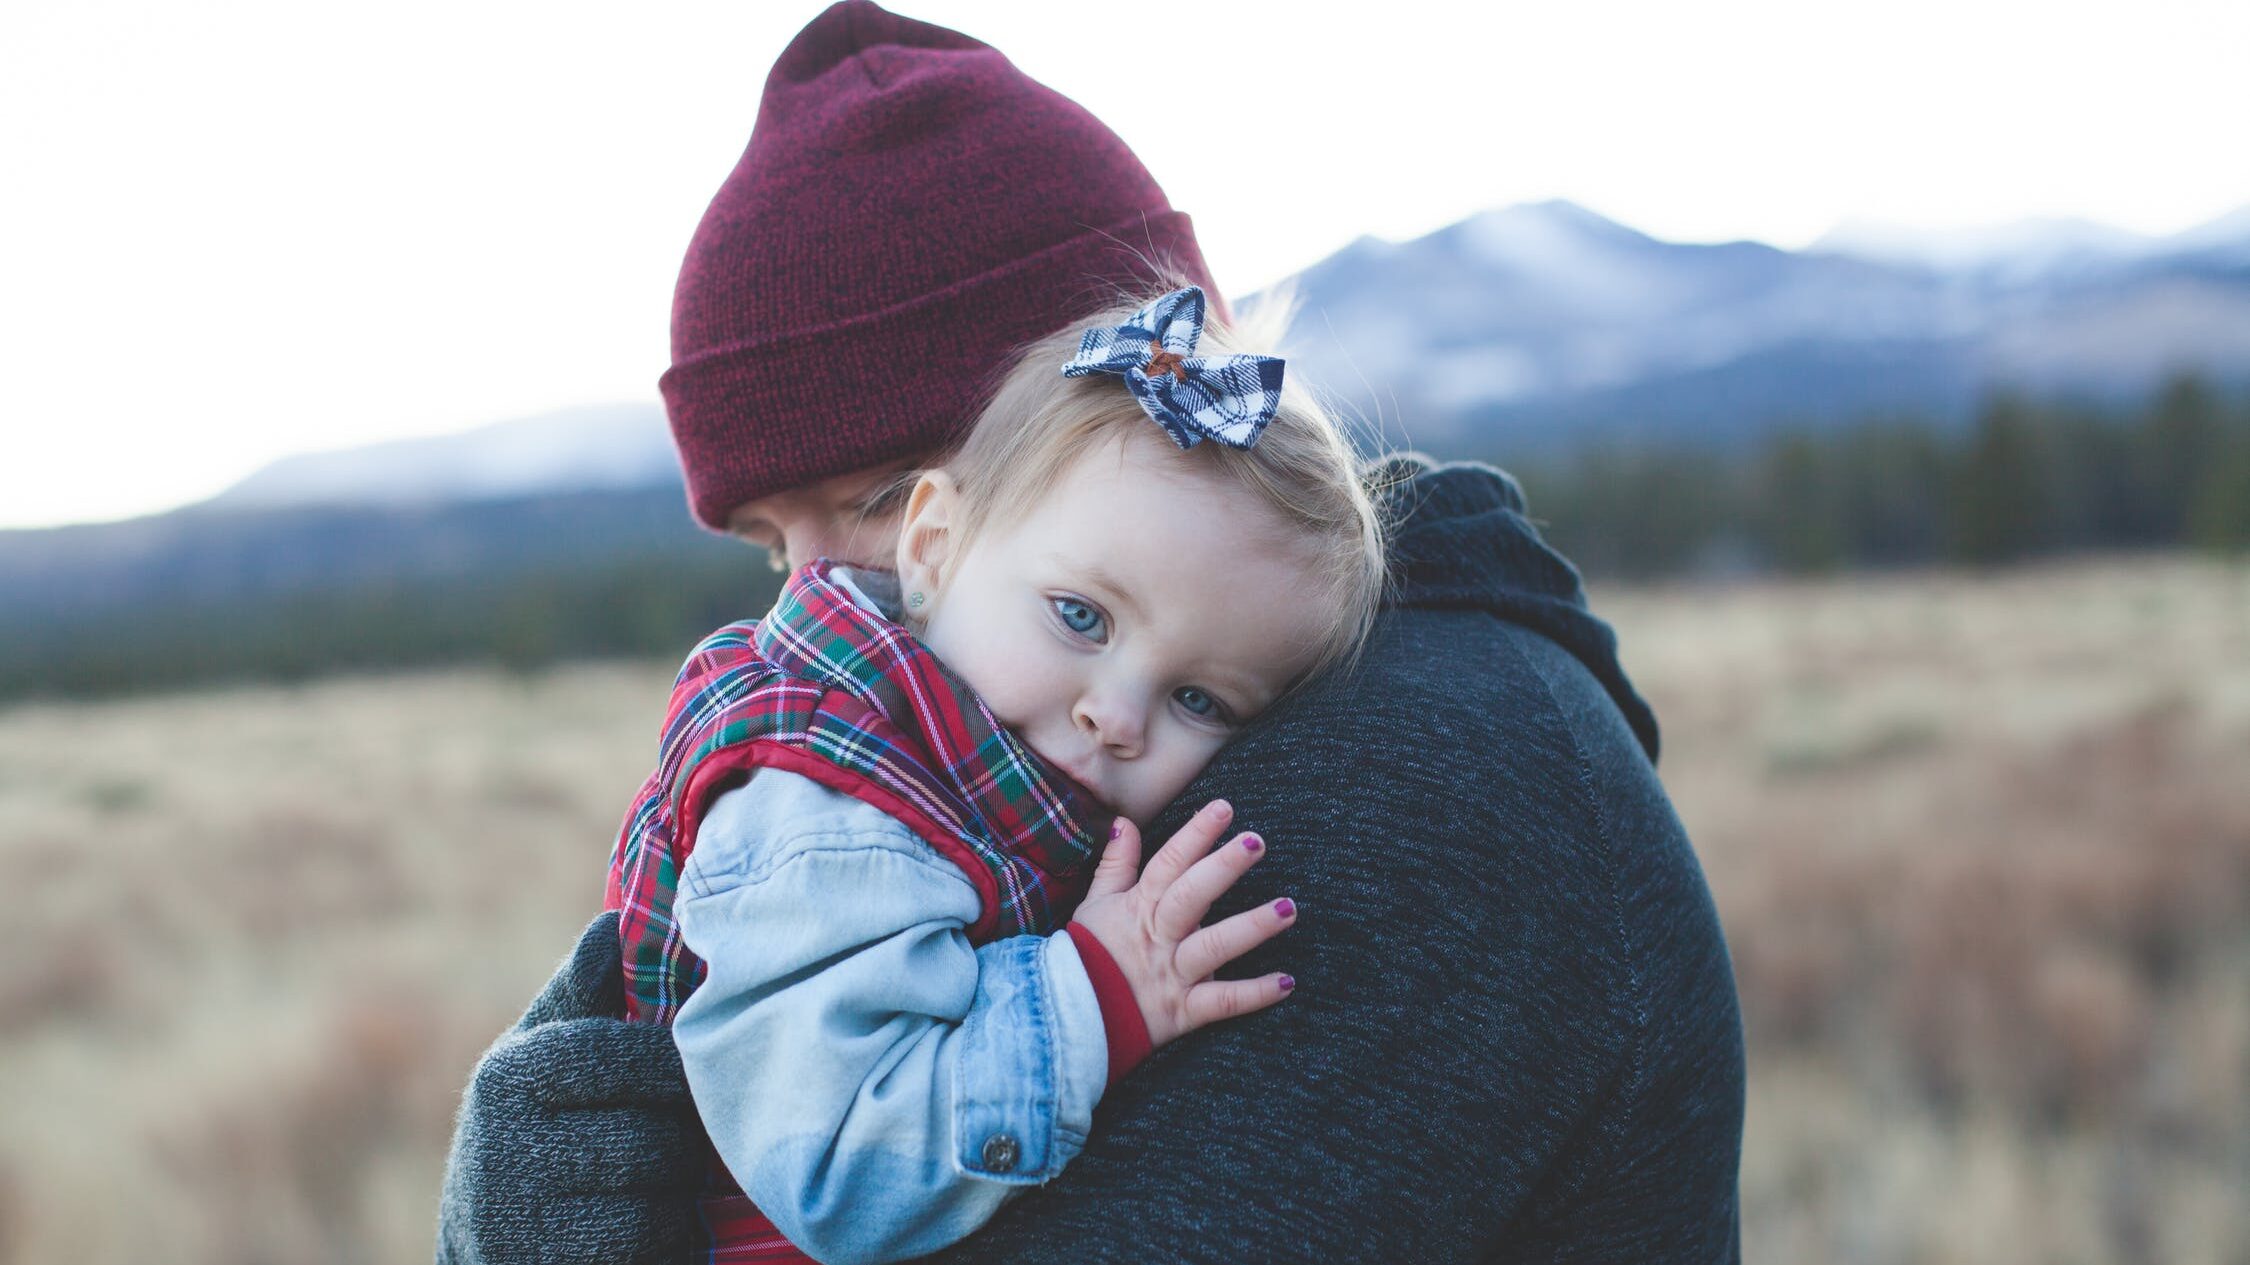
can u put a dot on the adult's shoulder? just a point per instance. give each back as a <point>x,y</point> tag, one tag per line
<point>1513,780</point>
<point>1492,638</point>
<point>1512,996</point>
<point>1479,734</point>
<point>1473,833</point>
<point>1437,805</point>
<point>1480,794</point>
<point>1461,538</point>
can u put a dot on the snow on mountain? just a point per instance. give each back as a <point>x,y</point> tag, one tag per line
<point>1596,267</point>
<point>1548,324</point>
<point>2225,240</point>
<point>580,449</point>
<point>2022,249</point>
<point>1550,301</point>
<point>2035,250</point>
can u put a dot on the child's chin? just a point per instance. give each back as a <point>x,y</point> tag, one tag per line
<point>1110,812</point>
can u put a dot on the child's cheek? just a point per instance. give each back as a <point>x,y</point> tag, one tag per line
<point>1186,754</point>
<point>1018,677</point>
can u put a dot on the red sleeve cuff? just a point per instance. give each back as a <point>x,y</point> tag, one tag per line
<point>1121,1013</point>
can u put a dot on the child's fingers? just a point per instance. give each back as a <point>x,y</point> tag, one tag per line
<point>1184,905</point>
<point>1229,938</point>
<point>1186,847</point>
<point>1120,865</point>
<point>1213,1000</point>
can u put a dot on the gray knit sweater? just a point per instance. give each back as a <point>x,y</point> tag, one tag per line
<point>1514,1035</point>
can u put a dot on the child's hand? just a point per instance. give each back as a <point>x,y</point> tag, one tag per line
<point>1153,926</point>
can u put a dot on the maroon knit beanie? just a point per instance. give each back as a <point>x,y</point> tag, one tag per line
<point>911,210</point>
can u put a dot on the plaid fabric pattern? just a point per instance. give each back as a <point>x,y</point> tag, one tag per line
<point>822,678</point>
<point>1227,398</point>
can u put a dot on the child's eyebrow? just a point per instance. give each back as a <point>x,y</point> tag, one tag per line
<point>1097,577</point>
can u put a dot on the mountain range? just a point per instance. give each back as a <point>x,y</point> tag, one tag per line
<point>1545,327</point>
<point>601,447</point>
<point>1514,335</point>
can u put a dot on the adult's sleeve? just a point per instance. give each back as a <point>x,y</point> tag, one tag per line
<point>877,1084</point>
<point>1653,1174</point>
<point>577,1143</point>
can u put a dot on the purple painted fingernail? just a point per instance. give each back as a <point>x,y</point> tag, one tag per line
<point>1116,828</point>
<point>1287,983</point>
<point>1286,907</point>
<point>1253,843</point>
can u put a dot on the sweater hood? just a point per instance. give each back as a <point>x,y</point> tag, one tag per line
<point>1460,541</point>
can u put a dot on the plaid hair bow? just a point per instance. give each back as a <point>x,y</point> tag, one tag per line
<point>1227,398</point>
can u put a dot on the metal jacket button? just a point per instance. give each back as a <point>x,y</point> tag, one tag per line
<point>999,1153</point>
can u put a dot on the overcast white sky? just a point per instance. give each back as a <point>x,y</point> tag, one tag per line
<point>233,230</point>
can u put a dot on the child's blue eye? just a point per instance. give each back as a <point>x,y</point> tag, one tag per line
<point>1080,618</point>
<point>1197,702</point>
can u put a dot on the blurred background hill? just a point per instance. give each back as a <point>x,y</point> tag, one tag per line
<point>1545,326</point>
<point>1883,400</point>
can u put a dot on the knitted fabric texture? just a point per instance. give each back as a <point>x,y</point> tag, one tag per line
<point>911,210</point>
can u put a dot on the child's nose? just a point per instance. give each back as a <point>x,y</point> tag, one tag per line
<point>1114,722</point>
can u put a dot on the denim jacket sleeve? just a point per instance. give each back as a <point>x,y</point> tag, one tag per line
<point>877,1084</point>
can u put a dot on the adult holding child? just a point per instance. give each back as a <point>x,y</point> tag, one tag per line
<point>1514,1034</point>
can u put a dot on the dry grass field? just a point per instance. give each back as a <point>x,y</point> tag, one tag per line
<point>1982,847</point>
<point>1982,850</point>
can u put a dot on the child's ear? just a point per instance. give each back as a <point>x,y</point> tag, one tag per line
<point>928,535</point>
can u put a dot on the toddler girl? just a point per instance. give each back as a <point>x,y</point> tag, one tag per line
<point>846,885</point>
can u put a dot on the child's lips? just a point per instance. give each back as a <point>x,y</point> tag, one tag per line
<point>1079,773</point>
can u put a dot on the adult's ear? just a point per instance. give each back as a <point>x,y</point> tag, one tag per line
<point>928,540</point>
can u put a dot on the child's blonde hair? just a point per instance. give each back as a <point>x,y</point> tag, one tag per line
<point>1301,468</point>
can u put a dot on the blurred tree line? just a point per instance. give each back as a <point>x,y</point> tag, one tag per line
<point>525,585</point>
<point>2026,479</point>
<point>652,607</point>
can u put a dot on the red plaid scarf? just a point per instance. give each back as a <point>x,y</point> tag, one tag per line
<point>824,688</point>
